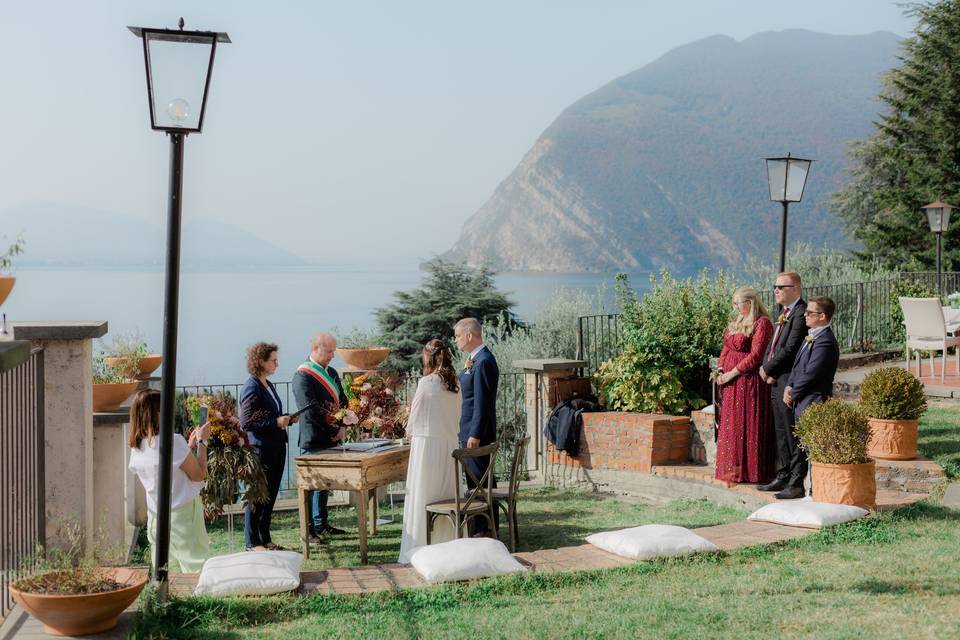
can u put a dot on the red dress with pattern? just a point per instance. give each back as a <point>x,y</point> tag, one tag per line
<point>744,452</point>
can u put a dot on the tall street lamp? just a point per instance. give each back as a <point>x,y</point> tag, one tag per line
<point>938,215</point>
<point>786,177</point>
<point>178,65</point>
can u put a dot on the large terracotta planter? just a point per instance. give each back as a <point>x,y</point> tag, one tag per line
<point>6,286</point>
<point>109,397</point>
<point>854,484</point>
<point>148,364</point>
<point>85,613</point>
<point>369,358</point>
<point>892,439</point>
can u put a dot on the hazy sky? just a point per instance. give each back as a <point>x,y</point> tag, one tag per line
<point>349,129</point>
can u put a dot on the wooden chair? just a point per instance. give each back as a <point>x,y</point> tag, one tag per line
<point>506,499</point>
<point>926,330</point>
<point>478,501</point>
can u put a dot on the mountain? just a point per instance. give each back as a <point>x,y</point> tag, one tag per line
<point>68,235</point>
<point>664,167</point>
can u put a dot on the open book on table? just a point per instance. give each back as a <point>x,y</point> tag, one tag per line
<point>370,444</point>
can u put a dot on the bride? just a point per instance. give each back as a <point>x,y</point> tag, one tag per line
<point>433,425</point>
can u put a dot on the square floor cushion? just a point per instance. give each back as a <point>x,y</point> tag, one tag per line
<point>250,573</point>
<point>651,541</point>
<point>464,559</point>
<point>806,513</point>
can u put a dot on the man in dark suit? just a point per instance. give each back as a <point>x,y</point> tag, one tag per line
<point>478,393</point>
<point>317,383</point>
<point>811,380</point>
<point>791,464</point>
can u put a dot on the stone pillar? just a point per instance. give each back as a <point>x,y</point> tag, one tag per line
<point>68,414</point>
<point>112,482</point>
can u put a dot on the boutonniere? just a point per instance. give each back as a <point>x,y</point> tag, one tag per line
<point>809,339</point>
<point>781,319</point>
<point>469,364</point>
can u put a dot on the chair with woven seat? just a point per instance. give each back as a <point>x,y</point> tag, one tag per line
<point>506,499</point>
<point>478,501</point>
<point>927,331</point>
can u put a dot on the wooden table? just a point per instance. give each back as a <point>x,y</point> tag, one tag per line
<point>350,471</point>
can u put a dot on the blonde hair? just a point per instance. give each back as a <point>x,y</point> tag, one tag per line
<point>740,323</point>
<point>793,275</point>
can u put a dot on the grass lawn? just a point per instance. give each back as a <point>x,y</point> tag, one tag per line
<point>939,437</point>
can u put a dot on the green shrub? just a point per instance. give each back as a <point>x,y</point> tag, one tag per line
<point>632,381</point>
<point>672,332</point>
<point>892,393</point>
<point>834,432</point>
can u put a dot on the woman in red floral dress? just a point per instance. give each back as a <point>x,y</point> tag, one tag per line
<point>744,452</point>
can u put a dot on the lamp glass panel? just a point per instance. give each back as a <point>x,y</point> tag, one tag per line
<point>796,179</point>
<point>178,71</point>
<point>935,217</point>
<point>776,177</point>
<point>946,218</point>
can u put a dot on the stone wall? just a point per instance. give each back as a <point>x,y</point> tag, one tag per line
<point>703,447</point>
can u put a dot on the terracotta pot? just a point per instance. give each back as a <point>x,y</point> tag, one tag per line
<point>148,364</point>
<point>109,397</point>
<point>85,613</point>
<point>6,286</point>
<point>854,484</point>
<point>892,439</point>
<point>369,358</point>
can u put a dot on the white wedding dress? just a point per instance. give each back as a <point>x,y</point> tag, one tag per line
<point>433,427</point>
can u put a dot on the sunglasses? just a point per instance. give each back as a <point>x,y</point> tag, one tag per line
<point>783,286</point>
<point>813,313</point>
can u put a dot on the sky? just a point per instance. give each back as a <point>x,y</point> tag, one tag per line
<point>341,131</point>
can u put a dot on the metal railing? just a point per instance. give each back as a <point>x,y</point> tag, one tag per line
<point>22,485</point>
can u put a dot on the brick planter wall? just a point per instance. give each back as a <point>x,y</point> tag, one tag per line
<point>621,441</point>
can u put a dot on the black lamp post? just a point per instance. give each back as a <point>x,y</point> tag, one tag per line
<point>786,177</point>
<point>938,215</point>
<point>178,65</point>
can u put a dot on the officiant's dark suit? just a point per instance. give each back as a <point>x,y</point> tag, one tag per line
<point>478,412</point>
<point>791,463</point>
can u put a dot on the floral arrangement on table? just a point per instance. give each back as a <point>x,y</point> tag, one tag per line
<point>230,458</point>
<point>373,410</point>
<point>953,300</point>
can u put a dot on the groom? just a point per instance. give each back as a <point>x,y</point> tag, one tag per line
<point>478,392</point>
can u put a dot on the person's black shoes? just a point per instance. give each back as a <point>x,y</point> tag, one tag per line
<point>790,493</point>
<point>330,530</point>
<point>777,484</point>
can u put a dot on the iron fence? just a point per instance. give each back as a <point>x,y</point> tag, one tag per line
<point>22,486</point>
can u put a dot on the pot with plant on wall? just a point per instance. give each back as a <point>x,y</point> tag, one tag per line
<point>111,386</point>
<point>129,354</point>
<point>7,280</point>
<point>835,436</point>
<point>361,350</point>
<point>893,401</point>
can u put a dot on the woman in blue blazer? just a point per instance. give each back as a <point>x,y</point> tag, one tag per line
<point>262,417</point>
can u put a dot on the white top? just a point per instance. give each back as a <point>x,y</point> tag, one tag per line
<point>434,412</point>
<point>145,462</point>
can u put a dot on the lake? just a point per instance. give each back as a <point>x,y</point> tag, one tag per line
<point>223,312</point>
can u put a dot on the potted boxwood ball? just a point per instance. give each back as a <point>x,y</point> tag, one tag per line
<point>893,401</point>
<point>835,436</point>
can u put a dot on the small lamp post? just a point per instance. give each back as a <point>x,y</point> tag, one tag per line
<point>938,215</point>
<point>786,177</point>
<point>178,65</point>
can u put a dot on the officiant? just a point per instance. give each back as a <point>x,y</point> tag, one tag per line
<point>317,385</point>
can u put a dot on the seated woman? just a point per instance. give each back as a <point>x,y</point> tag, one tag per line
<point>189,544</point>
<point>261,416</point>
<point>433,426</point>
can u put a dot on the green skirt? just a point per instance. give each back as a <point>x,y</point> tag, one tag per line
<point>189,544</point>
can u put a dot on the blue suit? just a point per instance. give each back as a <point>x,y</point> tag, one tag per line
<point>259,409</point>
<point>478,412</point>
<point>811,379</point>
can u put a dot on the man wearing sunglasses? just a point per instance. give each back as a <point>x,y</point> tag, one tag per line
<point>789,333</point>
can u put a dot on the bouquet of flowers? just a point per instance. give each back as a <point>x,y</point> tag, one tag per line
<point>373,410</point>
<point>230,458</point>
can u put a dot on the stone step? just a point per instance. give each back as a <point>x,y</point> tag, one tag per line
<point>911,476</point>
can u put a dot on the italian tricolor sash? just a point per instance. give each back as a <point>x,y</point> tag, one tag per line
<point>322,376</point>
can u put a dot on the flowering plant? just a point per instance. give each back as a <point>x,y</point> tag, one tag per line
<point>230,458</point>
<point>953,300</point>
<point>374,407</point>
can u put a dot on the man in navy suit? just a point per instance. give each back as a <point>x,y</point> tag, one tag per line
<point>478,395</point>
<point>811,380</point>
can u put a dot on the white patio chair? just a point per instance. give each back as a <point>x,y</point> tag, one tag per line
<point>927,331</point>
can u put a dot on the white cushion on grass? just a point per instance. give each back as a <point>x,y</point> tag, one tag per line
<point>806,513</point>
<point>250,573</point>
<point>651,541</point>
<point>464,559</point>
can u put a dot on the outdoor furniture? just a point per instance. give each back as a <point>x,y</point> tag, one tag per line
<point>506,499</point>
<point>478,501</point>
<point>926,330</point>
<point>951,317</point>
<point>351,471</point>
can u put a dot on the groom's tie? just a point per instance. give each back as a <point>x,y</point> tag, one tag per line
<point>776,334</point>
